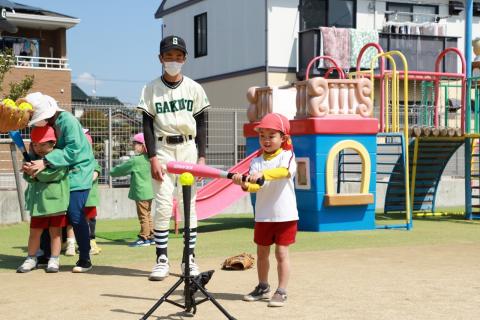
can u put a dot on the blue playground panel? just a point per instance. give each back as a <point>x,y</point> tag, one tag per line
<point>314,216</point>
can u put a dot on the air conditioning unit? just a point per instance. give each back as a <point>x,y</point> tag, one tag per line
<point>455,7</point>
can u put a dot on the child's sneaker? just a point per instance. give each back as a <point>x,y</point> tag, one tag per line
<point>82,266</point>
<point>258,293</point>
<point>70,249</point>
<point>140,242</point>
<point>194,269</point>
<point>28,265</point>
<point>278,299</point>
<point>94,248</point>
<point>161,270</point>
<point>53,265</point>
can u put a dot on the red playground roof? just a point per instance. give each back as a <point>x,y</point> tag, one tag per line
<point>332,124</point>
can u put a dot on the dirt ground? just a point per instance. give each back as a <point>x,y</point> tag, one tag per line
<point>428,282</point>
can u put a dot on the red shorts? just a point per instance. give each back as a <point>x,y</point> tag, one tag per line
<point>90,212</point>
<point>281,233</point>
<point>48,221</point>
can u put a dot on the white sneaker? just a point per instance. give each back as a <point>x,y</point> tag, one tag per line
<point>53,265</point>
<point>70,250</point>
<point>28,265</point>
<point>194,269</point>
<point>161,270</point>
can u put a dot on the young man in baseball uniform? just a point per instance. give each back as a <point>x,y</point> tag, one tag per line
<point>173,108</point>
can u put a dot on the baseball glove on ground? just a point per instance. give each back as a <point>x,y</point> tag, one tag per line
<point>241,261</point>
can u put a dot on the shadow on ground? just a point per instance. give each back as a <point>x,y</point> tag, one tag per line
<point>177,297</point>
<point>175,316</point>
<point>10,262</point>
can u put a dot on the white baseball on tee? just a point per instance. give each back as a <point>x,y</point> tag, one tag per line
<point>276,201</point>
<point>173,107</point>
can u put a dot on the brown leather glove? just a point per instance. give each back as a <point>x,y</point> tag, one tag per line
<point>241,261</point>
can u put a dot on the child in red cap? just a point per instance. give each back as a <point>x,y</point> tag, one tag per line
<point>276,213</point>
<point>47,198</point>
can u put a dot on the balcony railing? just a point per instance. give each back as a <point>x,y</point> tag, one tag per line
<point>420,50</point>
<point>41,62</point>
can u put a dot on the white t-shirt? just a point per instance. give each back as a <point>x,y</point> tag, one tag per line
<point>276,200</point>
<point>173,108</point>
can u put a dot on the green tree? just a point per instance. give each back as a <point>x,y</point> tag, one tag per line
<point>19,89</point>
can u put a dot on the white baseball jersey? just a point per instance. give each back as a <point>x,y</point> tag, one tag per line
<point>276,201</point>
<point>173,107</point>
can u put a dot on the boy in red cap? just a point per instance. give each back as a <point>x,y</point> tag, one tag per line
<point>276,212</point>
<point>47,198</point>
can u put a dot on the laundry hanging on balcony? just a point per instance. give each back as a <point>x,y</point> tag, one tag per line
<point>358,39</point>
<point>336,44</point>
<point>413,28</point>
<point>344,45</point>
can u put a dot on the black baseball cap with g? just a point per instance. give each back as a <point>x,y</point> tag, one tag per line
<point>172,42</point>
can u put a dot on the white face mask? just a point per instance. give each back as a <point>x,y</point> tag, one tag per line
<point>173,68</point>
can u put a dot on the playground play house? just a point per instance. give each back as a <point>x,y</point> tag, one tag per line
<point>385,125</point>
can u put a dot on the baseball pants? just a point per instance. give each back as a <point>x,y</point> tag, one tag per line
<point>166,190</point>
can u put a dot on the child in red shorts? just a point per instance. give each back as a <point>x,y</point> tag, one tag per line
<point>47,198</point>
<point>276,213</point>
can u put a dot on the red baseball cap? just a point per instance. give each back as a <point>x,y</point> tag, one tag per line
<point>274,121</point>
<point>43,134</point>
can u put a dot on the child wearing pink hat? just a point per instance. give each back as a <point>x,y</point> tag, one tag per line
<point>47,198</point>
<point>141,189</point>
<point>276,213</point>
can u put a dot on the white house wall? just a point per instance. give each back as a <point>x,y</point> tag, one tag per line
<point>236,37</point>
<point>236,31</point>
<point>366,19</point>
<point>283,25</point>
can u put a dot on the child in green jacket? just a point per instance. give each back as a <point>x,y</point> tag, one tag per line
<point>141,189</point>
<point>47,198</point>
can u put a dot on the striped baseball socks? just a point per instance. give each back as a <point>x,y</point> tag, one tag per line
<point>161,242</point>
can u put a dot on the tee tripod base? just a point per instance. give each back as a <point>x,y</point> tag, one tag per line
<point>192,284</point>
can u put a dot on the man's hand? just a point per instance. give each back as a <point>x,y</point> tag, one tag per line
<point>157,170</point>
<point>201,161</point>
<point>95,175</point>
<point>35,167</point>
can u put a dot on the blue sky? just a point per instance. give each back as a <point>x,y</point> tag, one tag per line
<point>116,43</point>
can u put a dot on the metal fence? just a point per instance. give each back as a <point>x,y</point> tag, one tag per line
<point>113,126</point>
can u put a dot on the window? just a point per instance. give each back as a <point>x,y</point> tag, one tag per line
<point>302,178</point>
<point>327,13</point>
<point>200,26</point>
<point>425,13</point>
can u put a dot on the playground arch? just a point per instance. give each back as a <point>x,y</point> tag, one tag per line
<point>347,199</point>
